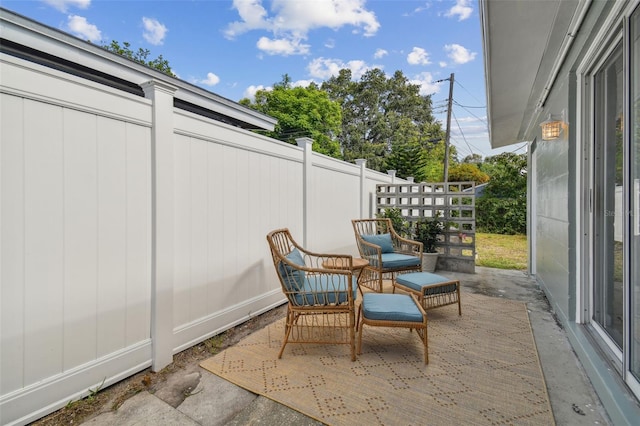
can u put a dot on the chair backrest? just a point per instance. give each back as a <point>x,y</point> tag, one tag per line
<point>305,277</point>
<point>372,226</point>
<point>281,243</point>
<point>287,258</point>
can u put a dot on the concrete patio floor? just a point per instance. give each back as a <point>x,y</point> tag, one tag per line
<point>214,401</point>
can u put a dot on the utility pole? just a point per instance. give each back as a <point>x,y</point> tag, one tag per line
<point>448,134</point>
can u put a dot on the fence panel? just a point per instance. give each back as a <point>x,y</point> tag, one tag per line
<point>335,200</point>
<point>76,246</point>
<point>86,241</point>
<point>228,195</point>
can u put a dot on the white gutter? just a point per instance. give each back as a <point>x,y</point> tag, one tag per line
<point>485,30</point>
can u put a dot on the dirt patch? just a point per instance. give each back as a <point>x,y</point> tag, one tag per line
<point>109,399</point>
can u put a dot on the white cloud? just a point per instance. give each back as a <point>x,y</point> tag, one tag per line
<point>325,68</point>
<point>459,54</point>
<point>473,128</point>
<point>211,80</point>
<point>64,5</point>
<point>253,16</point>
<point>442,64</point>
<point>251,91</point>
<point>79,26</point>
<point>302,83</point>
<point>418,56</point>
<point>154,31</point>
<point>462,10</point>
<point>380,53</point>
<point>282,47</point>
<point>293,19</point>
<point>426,83</point>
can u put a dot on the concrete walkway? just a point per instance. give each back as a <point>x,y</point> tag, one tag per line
<point>214,401</point>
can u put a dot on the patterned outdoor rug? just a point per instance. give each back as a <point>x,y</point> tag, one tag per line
<point>483,369</point>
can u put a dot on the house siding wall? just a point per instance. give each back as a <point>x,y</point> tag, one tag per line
<point>552,232</point>
<point>562,259</point>
<point>557,174</point>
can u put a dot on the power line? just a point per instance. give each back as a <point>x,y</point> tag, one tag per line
<point>474,97</point>
<point>479,118</point>
<point>468,106</point>
<point>461,150</point>
<point>522,146</point>
<point>462,133</point>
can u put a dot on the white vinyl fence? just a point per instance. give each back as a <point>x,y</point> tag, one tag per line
<point>132,230</point>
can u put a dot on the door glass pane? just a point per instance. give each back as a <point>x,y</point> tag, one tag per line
<point>609,216</point>
<point>634,281</point>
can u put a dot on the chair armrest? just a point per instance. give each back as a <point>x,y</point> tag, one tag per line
<point>369,251</point>
<point>322,262</point>
<point>405,245</point>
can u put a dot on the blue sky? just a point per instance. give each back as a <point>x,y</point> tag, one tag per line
<point>235,47</point>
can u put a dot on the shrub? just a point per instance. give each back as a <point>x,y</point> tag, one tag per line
<point>501,215</point>
<point>427,230</point>
<point>400,224</point>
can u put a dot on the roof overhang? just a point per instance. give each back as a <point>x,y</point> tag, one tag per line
<point>523,45</point>
<point>26,32</point>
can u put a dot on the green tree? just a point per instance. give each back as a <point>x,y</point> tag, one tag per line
<point>473,159</point>
<point>407,156</point>
<point>503,207</point>
<point>434,168</point>
<point>508,173</point>
<point>379,114</point>
<point>467,172</point>
<point>301,111</point>
<point>140,56</point>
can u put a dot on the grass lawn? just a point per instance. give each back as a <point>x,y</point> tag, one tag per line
<point>501,251</point>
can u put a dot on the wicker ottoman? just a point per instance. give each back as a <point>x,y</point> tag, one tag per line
<point>392,310</point>
<point>432,290</point>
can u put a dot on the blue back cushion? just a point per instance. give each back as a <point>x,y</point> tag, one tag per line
<point>293,278</point>
<point>382,240</point>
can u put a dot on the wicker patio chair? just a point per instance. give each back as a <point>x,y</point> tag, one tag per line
<point>387,252</point>
<point>321,306</point>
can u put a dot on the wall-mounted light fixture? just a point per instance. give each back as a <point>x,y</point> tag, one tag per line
<point>553,127</point>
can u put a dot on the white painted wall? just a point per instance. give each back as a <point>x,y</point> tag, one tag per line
<point>127,235</point>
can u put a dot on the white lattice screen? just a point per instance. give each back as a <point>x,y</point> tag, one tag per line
<point>453,201</point>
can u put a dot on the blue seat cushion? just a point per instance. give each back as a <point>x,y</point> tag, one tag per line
<point>292,278</point>
<point>382,240</point>
<point>325,290</point>
<point>398,260</point>
<point>390,307</point>
<point>431,283</point>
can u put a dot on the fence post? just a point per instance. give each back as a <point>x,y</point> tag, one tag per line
<point>162,221</point>
<point>362,163</point>
<point>306,144</point>
<point>392,173</point>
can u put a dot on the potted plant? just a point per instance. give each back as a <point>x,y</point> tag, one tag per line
<point>427,231</point>
<point>398,222</point>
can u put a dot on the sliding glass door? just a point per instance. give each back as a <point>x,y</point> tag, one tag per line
<point>634,202</point>
<point>609,189</point>
<point>614,264</point>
